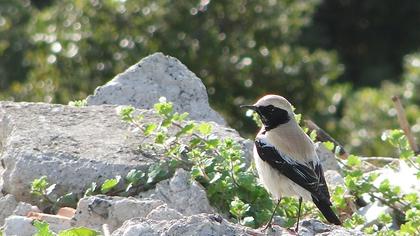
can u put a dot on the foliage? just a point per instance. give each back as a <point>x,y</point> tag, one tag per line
<point>406,206</point>
<point>43,229</point>
<point>368,112</point>
<point>57,51</point>
<point>217,163</point>
<point>45,191</point>
<point>241,49</point>
<point>78,103</point>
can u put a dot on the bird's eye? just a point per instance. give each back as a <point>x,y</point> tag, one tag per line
<point>270,107</point>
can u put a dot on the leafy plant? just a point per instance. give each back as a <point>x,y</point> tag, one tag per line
<point>217,163</point>
<point>406,206</point>
<point>43,229</point>
<point>78,103</point>
<point>42,189</point>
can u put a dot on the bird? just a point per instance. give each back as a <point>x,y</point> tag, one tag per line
<point>286,160</point>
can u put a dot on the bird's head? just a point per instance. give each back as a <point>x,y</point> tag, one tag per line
<point>273,110</point>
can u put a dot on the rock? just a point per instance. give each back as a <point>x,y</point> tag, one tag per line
<point>202,224</point>
<point>327,158</point>
<point>7,206</point>
<point>56,223</point>
<point>24,208</point>
<point>72,146</point>
<point>333,179</point>
<point>163,212</point>
<point>19,226</point>
<point>315,227</point>
<point>97,210</point>
<point>403,176</point>
<point>372,211</point>
<point>66,212</point>
<point>182,194</point>
<point>154,76</point>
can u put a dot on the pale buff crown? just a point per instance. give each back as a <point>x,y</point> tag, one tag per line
<point>275,100</point>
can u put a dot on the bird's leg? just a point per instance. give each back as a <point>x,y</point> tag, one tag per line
<point>272,215</point>
<point>298,217</point>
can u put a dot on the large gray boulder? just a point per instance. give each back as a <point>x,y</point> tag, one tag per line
<point>72,146</point>
<point>155,76</point>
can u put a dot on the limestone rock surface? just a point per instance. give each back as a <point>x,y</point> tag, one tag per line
<point>154,76</point>
<point>202,224</point>
<point>182,194</point>
<point>97,210</point>
<point>72,146</point>
<point>19,226</point>
<point>7,206</point>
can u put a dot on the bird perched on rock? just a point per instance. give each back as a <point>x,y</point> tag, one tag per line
<point>286,159</point>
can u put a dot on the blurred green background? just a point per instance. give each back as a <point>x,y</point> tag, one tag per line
<point>337,61</point>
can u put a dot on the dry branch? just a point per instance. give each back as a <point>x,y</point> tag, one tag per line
<point>402,120</point>
<point>323,136</point>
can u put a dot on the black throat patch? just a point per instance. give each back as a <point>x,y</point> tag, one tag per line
<point>272,116</point>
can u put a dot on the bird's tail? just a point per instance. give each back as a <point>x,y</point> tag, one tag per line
<point>326,210</point>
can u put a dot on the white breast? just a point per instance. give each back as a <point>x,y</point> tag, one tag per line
<point>276,183</point>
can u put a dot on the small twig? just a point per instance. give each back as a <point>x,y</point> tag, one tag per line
<point>323,136</point>
<point>402,120</point>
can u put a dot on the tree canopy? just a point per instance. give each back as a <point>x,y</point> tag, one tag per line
<point>337,62</point>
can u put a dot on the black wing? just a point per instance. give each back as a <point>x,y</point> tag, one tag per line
<point>309,178</point>
<point>301,174</point>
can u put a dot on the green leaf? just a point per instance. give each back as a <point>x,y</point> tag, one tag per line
<point>82,231</point>
<point>354,161</point>
<point>135,176</point>
<point>39,186</point>
<point>110,184</point>
<point>248,221</point>
<point>91,190</point>
<point>69,199</point>
<point>43,228</point>
<point>149,128</point>
<point>78,103</point>
<point>385,218</point>
<point>329,145</point>
<point>313,135</point>
<point>216,177</point>
<point>195,172</point>
<point>385,186</point>
<point>164,108</point>
<point>238,208</point>
<point>50,189</point>
<point>187,129</point>
<point>160,138</point>
<point>205,128</point>
<point>155,172</point>
<point>126,113</point>
<point>180,117</point>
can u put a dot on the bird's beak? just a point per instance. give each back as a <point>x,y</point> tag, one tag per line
<point>251,107</point>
